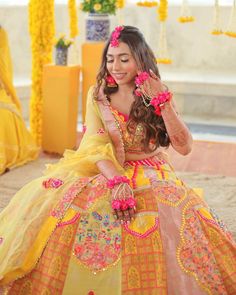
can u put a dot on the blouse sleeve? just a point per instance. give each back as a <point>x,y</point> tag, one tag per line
<point>96,145</point>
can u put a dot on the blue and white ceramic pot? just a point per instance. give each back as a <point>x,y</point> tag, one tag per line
<point>61,56</point>
<point>97,27</point>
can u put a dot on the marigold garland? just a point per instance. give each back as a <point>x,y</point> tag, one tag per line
<point>41,27</point>
<point>216,21</point>
<point>162,10</point>
<point>73,18</point>
<point>120,4</point>
<point>147,3</point>
<point>231,28</point>
<point>185,14</point>
<point>163,55</point>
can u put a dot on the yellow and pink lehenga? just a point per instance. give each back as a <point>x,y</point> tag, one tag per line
<point>17,146</point>
<point>59,236</point>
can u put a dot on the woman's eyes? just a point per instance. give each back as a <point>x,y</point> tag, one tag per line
<point>122,60</point>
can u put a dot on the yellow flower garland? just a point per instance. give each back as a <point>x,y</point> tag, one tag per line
<point>147,3</point>
<point>216,21</point>
<point>73,18</point>
<point>185,16</point>
<point>41,27</point>
<point>120,4</point>
<point>163,55</point>
<point>163,10</point>
<point>231,30</point>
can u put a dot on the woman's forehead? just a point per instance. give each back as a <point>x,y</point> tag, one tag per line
<point>121,49</point>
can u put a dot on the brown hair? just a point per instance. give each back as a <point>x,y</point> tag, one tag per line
<point>153,125</point>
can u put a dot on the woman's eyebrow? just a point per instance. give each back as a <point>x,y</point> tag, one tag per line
<point>121,54</point>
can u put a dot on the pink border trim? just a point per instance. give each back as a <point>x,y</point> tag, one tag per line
<point>72,220</point>
<point>114,132</point>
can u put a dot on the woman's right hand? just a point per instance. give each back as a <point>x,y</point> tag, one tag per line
<point>122,192</point>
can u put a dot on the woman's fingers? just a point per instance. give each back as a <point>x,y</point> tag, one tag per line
<point>153,75</point>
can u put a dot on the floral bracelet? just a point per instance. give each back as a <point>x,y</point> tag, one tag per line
<point>124,204</point>
<point>159,101</point>
<point>117,180</point>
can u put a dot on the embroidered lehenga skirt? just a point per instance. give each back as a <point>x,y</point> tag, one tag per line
<point>175,244</point>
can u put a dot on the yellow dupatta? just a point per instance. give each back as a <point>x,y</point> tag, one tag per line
<point>6,74</point>
<point>27,223</point>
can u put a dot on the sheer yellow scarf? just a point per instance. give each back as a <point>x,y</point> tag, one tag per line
<point>6,75</point>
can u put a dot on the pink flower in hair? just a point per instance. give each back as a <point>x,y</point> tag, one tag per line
<point>115,36</point>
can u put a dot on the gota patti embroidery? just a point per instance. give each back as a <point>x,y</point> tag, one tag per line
<point>65,202</point>
<point>195,254</point>
<point>132,140</point>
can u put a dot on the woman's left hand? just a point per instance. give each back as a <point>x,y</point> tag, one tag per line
<point>152,85</point>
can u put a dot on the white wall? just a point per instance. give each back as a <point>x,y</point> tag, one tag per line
<point>191,45</point>
<point>197,55</point>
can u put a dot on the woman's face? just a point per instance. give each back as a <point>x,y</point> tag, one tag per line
<point>120,64</point>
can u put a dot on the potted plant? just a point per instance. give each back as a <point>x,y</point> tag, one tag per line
<point>62,44</point>
<point>97,21</point>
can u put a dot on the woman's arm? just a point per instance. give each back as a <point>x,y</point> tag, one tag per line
<point>180,136</point>
<point>107,168</point>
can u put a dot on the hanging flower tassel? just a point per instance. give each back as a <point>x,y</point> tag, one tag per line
<point>163,54</point>
<point>41,27</point>
<point>231,29</point>
<point>120,5</point>
<point>216,21</point>
<point>185,14</point>
<point>73,18</point>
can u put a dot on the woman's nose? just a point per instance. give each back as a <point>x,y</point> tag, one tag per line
<point>116,65</point>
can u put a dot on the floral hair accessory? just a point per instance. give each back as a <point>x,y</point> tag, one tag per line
<point>115,36</point>
<point>158,101</point>
<point>139,80</point>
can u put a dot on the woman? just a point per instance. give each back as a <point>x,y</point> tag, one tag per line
<point>112,217</point>
<point>17,147</point>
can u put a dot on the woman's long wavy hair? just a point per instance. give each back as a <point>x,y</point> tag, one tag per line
<point>154,127</point>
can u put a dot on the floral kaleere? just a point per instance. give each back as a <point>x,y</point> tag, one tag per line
<point>231,28</point>
<point>157,101</point>
<point>147,4</point>
<point>94,6</point>
<point>73,18</point>
<point>216,21</point>
<point>163,54</point>
<point>42,30</point>
<point>185,14</point>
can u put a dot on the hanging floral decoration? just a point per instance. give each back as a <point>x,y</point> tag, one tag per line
<point>120,5</point>
<point>231,28</point>
<point>163,55</point>
<point>185,14</point>
<point>148,4</point>
<point>42,29</point>
<point>73,18</point>
<point>216,20</point>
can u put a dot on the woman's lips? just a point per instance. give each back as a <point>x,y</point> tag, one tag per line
<point>119,76</point>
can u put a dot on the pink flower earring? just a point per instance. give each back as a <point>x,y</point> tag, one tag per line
<point>110,82</point>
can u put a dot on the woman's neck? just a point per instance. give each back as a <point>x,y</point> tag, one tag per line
<point>125,90</point>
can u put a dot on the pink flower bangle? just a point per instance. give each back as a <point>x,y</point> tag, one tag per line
<point>159,101</point>
<point>117,180</point>
<point>123,204</point>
